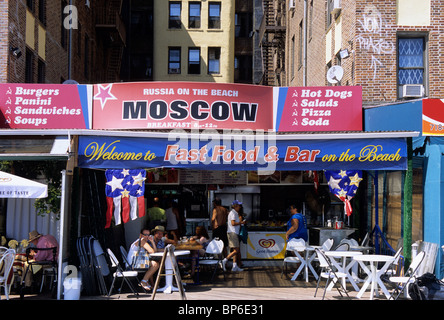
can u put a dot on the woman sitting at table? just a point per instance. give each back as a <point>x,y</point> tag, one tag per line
<point>201,237</point>
<point>139,248</point>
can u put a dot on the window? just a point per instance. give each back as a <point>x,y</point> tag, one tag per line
<point>194,60</point>
<point>41,69</point>
<point>29,68</point>
<point>63,31</point>
<point>214,15</point>
<point>174,60</point>
<point>174,15</point>
<point>86,63</point>
<point>213,60</point>
<point>411,60</point>
<point>301,44</point>
<point>194,15</point>
<point>42,11</point>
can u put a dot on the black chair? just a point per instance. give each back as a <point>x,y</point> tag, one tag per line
<point>49,268</point>
<point>122,274</point>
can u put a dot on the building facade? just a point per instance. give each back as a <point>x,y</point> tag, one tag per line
<point>194,41</point>
<point>392,50</point>
<point>54,41</point>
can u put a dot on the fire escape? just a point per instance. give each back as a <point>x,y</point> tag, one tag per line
<point>111,29</point>
<point>272,38</point>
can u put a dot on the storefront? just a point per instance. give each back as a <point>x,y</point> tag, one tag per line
<point>267,147</point>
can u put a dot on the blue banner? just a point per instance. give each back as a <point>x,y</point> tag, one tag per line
<point>217,152</point>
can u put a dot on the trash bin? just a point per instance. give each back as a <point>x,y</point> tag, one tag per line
<point>72,287</point>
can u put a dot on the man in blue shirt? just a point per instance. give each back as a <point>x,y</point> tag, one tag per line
<point>297,225</point>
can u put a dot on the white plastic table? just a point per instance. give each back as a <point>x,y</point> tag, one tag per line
<point>169,268</point>
<point>339,260</point>
<point>305,262</point>
<point>374,275</point>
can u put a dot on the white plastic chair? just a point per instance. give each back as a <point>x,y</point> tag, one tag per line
<point>328,272</point>
<point>6,262</point>
<point>294,245</point>
<point>213,256</point>
<point>120,273</point>
<point>410,276</point>
<point>342,247</point>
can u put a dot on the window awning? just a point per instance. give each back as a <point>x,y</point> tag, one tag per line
<point>34,147</point>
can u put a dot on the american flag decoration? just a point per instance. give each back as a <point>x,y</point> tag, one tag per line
<point>125,191</point>
<point>344,184</point>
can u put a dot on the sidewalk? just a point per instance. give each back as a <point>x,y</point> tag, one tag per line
<point>260,280</point>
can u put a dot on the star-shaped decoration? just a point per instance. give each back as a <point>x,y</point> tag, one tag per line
<point>139,179</point>
<point>115,184</point>
<point>104,94</point>
<point>343,173</point>
<point>334,183</point>
<point>342,194</point>
<point>354,180</point>
<point>125,172</point>
<point>125,193</point>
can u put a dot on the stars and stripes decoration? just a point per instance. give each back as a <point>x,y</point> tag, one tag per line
<point>125,191</point>
<point>344,184</point>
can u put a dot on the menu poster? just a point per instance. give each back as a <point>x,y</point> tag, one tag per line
<point>45,106</point>
<point>330,108</point>
<point>212,177</point>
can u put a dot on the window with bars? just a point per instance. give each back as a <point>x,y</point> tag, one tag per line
<point>174,60</point>
<point>411,65</point>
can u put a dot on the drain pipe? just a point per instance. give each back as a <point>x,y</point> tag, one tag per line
<point>304,46</point>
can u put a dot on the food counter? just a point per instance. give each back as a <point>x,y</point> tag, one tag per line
<point>318,235</point>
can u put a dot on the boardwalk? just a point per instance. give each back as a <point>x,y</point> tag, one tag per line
<point>258,281</point>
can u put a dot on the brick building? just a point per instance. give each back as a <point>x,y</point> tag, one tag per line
<point>390,48</point>
<point>50,41</point>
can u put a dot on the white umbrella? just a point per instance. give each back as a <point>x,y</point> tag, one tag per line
<point>12,186</point>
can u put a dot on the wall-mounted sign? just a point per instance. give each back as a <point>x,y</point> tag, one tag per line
<point>182,105</point>
<point>45,106</point>
<point>432,117</point>
<point>318,108</point>
<point>226,154</point>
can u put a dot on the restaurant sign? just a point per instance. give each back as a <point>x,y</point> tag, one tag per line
<point>185,105</point>
<point>432,117</point>
<point>318,108</point>
<point>48,106</point>
<point>262,153</point>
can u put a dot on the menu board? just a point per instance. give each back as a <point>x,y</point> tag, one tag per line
<point>212,177</point>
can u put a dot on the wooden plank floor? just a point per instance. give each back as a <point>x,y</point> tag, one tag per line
<point>256,282</point>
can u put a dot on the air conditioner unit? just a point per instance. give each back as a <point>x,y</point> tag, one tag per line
<point>291,4</point>
<point>412,91</point>
<point>336,7</point>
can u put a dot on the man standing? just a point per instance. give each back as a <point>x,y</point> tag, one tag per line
<point>156,214</point>
<point>233,229</point>
<point>219,223</point>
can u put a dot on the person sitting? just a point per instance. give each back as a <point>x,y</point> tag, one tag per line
<point>43,241</point>
<point>156,242</point>
<point>201,237</point>
<point>140,248</point>
<point>40,241</point>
